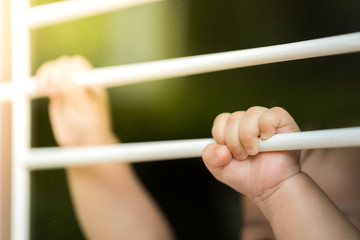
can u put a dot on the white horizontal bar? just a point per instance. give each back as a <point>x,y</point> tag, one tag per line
<point>52,13</point>
<point>177,67</point>
<point>7,89</point>
<point>331,138</point>
<point>141,72</point>
<point>46,158</point>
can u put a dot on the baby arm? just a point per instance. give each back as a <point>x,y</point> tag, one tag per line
<point>109,201</point>
<point>293,204</point>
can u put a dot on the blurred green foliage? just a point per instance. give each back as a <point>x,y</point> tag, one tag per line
<point>319,93</point>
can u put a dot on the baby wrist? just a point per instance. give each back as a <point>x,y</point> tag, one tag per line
<point>273,200</point>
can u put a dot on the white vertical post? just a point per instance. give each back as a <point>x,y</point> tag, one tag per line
<point>20,122</point>
<point>5,156</point>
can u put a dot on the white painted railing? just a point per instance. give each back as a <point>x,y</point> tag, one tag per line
<point>23,87</point>
<point>24,18</point>
<point>47,158</point>
<point>68,10</point>
<point>177,67</point>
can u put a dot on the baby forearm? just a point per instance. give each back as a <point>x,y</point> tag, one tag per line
<point>111,203</point>
<point>299,209</point>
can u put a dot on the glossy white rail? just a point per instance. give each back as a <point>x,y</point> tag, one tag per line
<point>177,67</point>
<point>58,12</point>
<point>47,158</point>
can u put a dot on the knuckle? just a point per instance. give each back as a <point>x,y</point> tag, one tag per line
<point>254,110</point>
<point>220,119</point>
<point>81,61</point>
<point>221,116</point>
<point>78,57</point>
<point>44,68</point>
<point>62,59</point>
<point>236,116</point>
<point>278,110</point>
<point>265,119</point>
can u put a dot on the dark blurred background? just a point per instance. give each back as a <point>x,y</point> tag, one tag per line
<point>319,93</point>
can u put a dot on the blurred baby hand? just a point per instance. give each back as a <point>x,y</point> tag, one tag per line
<point>235,159</point>
<point>78,115</point>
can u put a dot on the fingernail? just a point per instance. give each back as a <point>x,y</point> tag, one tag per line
<point>263,136</point>
<point>250,151</point>
<point>241,156</point>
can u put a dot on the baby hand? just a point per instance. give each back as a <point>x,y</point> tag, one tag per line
<point>79,115</point>
<point>235,159</point>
